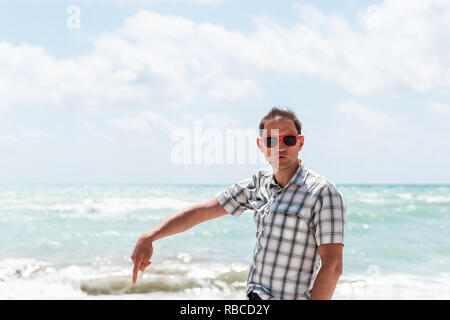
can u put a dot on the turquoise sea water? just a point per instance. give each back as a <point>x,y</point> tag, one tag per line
<point>74,242</point>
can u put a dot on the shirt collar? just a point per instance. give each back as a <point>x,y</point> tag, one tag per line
<point>297,178</point>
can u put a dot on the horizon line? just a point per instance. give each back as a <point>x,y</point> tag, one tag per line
<point>79,184</point>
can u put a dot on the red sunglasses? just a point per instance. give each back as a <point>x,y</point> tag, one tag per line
<point>289,140</point>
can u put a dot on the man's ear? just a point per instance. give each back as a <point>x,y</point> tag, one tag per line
<point>260,146</point>
<point>302,142</point>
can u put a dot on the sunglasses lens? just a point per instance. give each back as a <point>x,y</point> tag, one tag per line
<point>290,140</point>
<point>271,142</point>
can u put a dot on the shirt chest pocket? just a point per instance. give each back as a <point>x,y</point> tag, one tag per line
<point>298,217</point>
<point>298,211</point>
<point>258,204</point>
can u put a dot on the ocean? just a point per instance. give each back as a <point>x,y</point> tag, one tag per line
<point>75,242</point>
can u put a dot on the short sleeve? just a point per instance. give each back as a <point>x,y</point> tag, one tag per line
<point>235,199</point>
<point>329,216</point>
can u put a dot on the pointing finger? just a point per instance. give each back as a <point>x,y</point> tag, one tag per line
<point>135,271</point>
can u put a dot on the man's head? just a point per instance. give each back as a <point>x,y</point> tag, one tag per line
<point>278,123</point>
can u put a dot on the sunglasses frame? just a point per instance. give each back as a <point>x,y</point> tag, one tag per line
<point>297,136</point>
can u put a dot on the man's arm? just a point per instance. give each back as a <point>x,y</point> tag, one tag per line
<point>330,271</point>
<point>175,223</point>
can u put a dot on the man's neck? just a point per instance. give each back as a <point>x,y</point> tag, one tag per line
<point>283,176</point>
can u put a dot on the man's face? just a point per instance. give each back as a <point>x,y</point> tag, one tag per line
<point>280,156</point>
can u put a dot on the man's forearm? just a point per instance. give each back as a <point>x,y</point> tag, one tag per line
<point>175,223</point>
<point>325,283</point>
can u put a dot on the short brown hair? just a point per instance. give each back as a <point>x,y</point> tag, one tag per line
<point>282,114</point>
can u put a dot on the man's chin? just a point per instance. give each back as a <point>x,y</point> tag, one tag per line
<point>281,163</point>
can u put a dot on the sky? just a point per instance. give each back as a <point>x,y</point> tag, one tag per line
<point>108,91</point>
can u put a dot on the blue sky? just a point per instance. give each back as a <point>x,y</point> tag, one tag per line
<point>368,79</point>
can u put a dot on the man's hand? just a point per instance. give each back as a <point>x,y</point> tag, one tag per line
<point>141,255</point>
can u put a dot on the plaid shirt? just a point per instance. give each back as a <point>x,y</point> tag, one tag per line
<point>291,223</point>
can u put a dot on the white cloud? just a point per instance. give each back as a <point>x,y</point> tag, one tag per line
<point>374,128</point>
<point>89,132</point>
<point>39,134</point>
<point>3,105</point>
<point>402,45</point>
<point>440,113</point>
<point>7,139</point>
<point>147,125</point>
<point>234,90</point>
<point>216,121</point>
<point>135,124</point>
<point>166,60</point>
<point>146,2</point>
<point>369,118</point>
<point>25,136</point>
<point>153,60</point>
<point>159,121</point>
<point>151,122</point>
<point>144,123</point>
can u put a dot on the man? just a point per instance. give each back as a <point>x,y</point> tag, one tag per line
<point>299,216</point>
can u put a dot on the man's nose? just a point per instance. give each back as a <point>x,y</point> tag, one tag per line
<point>281,147</point>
